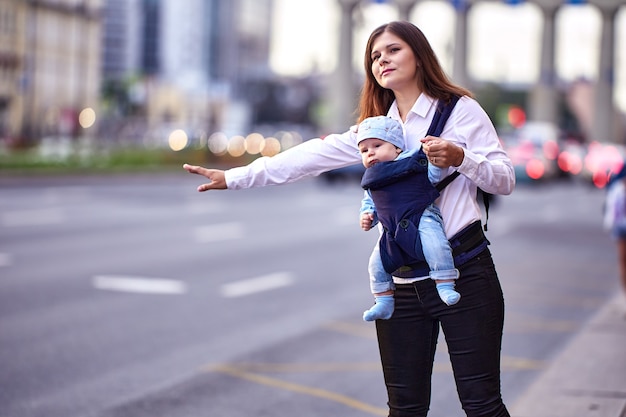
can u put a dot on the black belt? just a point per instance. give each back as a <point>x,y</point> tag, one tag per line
<point>467,239</point>
<point>466,244</point>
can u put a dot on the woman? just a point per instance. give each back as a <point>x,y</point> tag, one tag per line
<point>404,80</point>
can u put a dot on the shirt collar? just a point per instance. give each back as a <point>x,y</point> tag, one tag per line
<point>420,108</point>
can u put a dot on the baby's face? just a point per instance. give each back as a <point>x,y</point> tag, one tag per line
<point>377,150</point>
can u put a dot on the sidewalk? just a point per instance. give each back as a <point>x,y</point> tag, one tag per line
<point>588,379</point>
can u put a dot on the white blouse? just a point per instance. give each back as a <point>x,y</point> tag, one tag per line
<point>485,165</point>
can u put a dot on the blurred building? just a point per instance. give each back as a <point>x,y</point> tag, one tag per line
<point>183,63</point>
<point>157,61</point>
<point>12,50</point>
<point>50,61</point>
<point>121,37</point>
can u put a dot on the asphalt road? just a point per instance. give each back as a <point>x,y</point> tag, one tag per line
<point>136,296</point>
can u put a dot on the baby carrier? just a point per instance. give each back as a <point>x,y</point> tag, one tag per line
<point>401,192</point>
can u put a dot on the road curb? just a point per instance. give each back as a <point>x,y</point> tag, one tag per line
<point>588,378</point>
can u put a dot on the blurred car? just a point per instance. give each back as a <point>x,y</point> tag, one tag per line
<point>601,161</point>
<point>534,151</point>
<point>351,173</point>
<point>571,157</point>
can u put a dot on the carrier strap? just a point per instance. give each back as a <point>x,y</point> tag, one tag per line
<point>436,127</point>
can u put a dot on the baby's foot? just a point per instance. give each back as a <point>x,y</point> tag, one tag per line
<point>447,293</point>
<point>382,310</point>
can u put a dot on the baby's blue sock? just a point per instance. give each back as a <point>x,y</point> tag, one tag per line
<point>447,293</point>
<point>383,309</point>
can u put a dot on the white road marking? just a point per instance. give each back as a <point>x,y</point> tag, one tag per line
<point>219,232</point>
<point>36,217</point>
<point>258,284</point>
<point>141,285</point>
<point>6,259</point>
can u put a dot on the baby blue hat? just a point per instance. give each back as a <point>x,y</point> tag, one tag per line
<point>381,127</point>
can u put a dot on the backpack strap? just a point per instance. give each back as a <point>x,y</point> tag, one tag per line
<point>436,127</point>
<point>441,116</point>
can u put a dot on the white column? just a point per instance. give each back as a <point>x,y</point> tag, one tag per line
<point>543,98</point>
<point>604,111</point>
<point>343,94</point>
<point>405,7</point>
<point>459,60</point>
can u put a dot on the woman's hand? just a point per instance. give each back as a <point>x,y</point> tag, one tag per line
<point>442,153</point>
<point>216,176</point>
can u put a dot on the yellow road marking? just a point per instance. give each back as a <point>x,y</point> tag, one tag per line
<point>319,368</point>
<point>302,389</point>
<point>304,367</point>
<point>249,372</point>
<point>510,363</point>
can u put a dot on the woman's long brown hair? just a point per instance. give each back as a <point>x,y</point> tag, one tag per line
<point>376,100</point>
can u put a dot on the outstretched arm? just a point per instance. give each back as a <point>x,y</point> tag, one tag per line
<point>308,159</point>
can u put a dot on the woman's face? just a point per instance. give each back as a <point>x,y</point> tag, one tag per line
<point>393,63</point>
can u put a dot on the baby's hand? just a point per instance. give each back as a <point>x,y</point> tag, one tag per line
<point>428,141</point>
<point>366,221</point>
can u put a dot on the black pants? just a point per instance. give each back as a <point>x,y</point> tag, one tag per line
<point>473,332</point>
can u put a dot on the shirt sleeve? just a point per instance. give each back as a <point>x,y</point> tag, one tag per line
<point>435,174</point>
<point>307,159</point>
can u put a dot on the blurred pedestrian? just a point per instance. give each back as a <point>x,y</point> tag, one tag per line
<point>615,219</point>
<point>412,224</point>
<point>405,81</point>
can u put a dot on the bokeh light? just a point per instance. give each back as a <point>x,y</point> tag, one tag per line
<point>551,149</point>
<point>201,135</point>
<point>271,147</point>
<point>516,116</point>
<point>218,143</point>
<point>87,118</point>
<point>237,146</point>
<point>535,169</point>
<point>178,140</point>
<point>253,143</point>
<point>602,161</point>
<point>570,162</point>
<point>288,139</point>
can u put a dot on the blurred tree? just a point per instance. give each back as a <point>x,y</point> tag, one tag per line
<point>117,97</point>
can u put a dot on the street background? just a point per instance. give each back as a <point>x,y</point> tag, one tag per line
<point>126,293</point>
<point>135,295</point>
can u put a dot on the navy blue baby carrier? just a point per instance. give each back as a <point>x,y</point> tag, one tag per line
<point>401,192</point>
